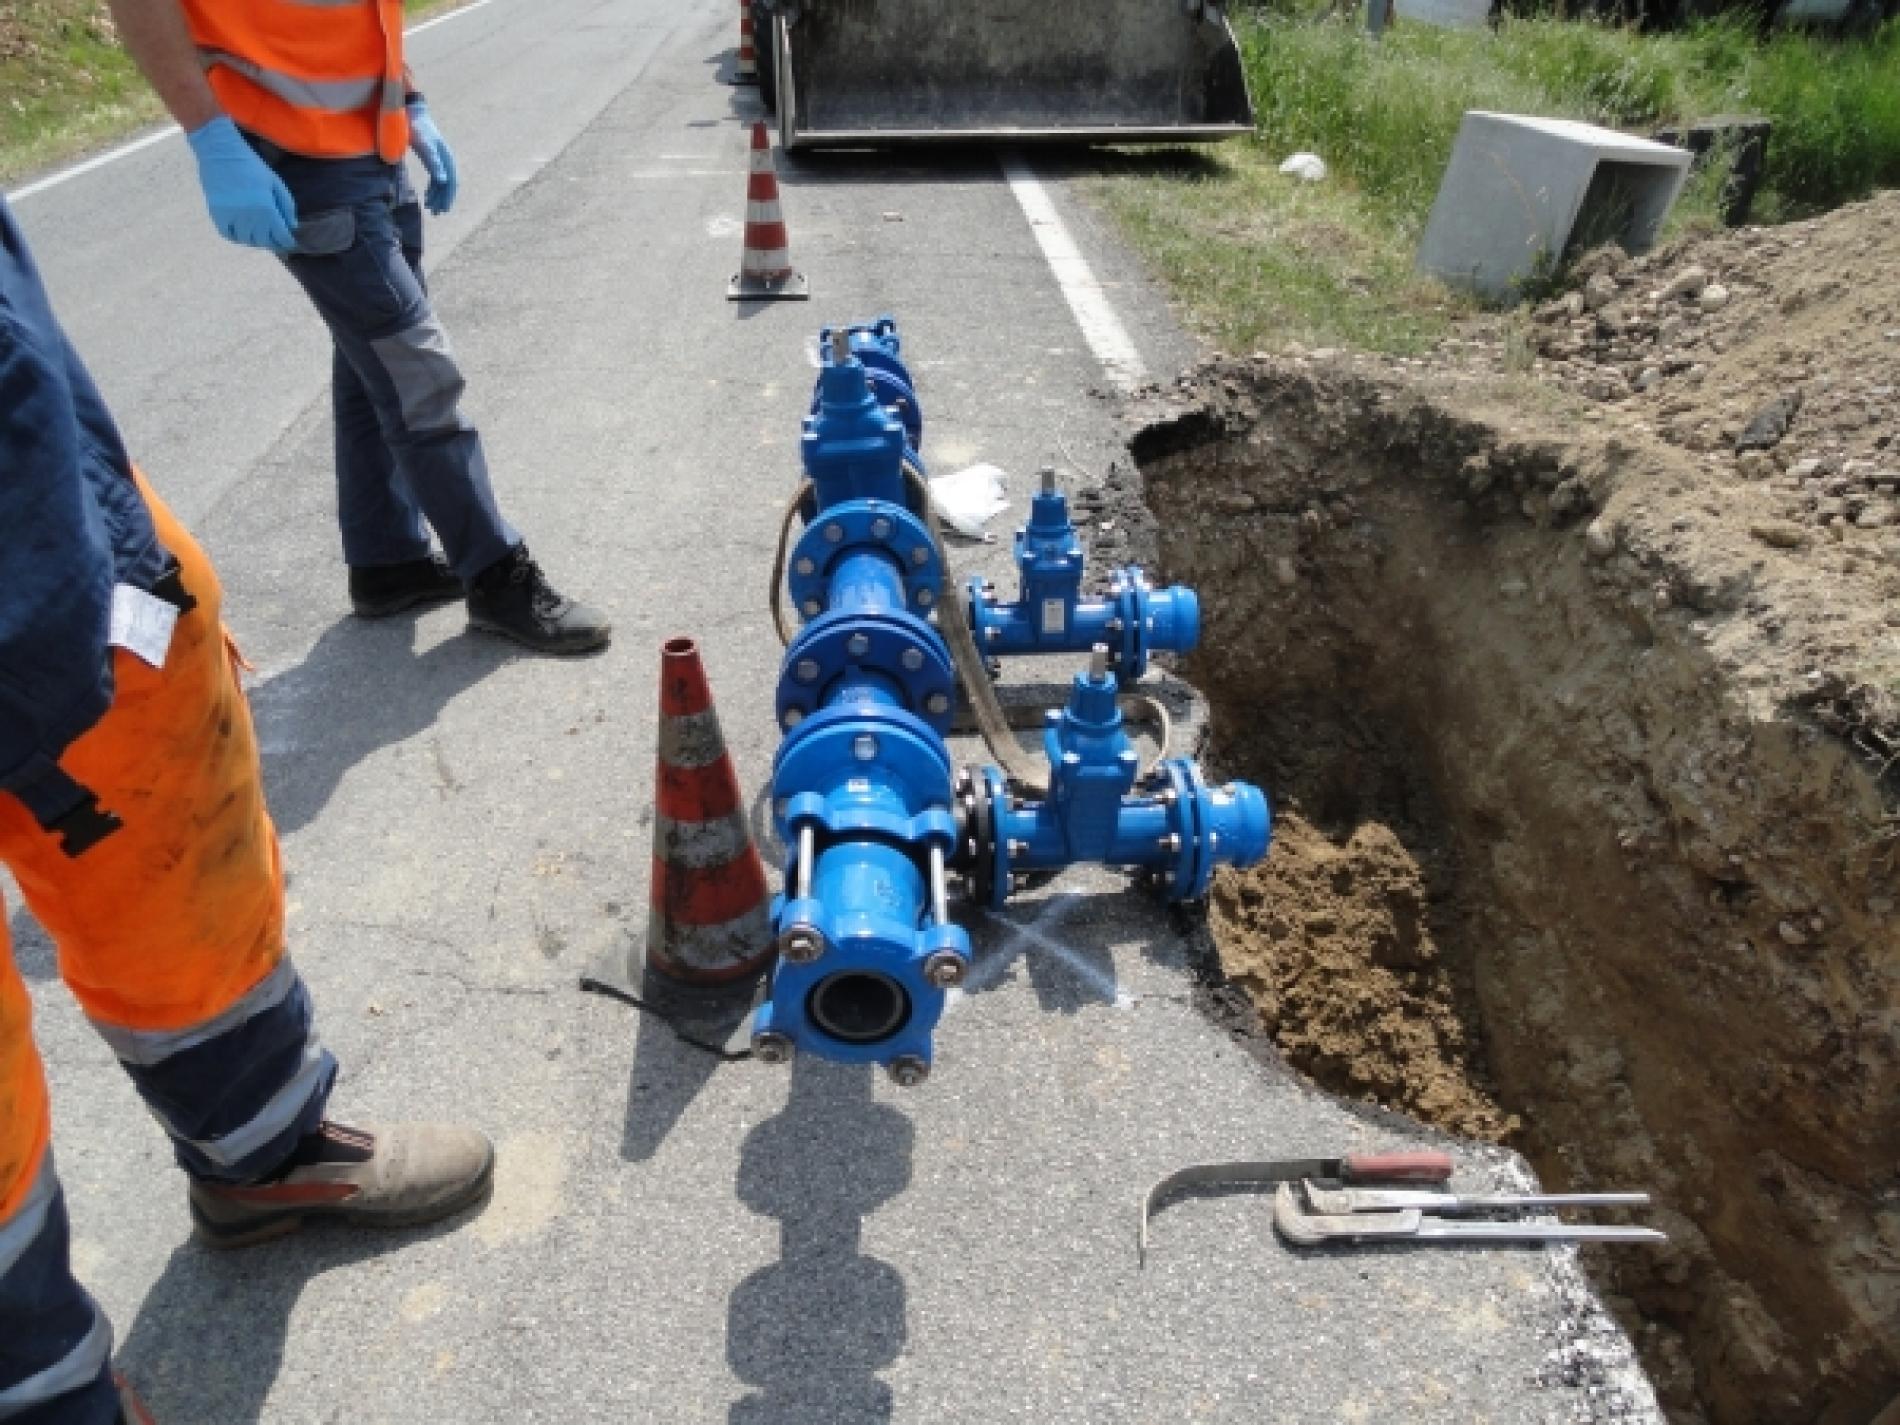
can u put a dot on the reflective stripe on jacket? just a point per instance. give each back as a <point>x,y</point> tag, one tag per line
<point>321,78</point>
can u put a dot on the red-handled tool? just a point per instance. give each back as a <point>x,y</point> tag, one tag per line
<point>1417,1166</point>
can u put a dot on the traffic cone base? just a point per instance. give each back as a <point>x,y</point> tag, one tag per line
<point>765,273</point>
<point>747,288</point>
<point>709,924</point>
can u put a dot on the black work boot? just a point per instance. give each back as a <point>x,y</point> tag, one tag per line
<point>379,590</point>
<point>512,597</point>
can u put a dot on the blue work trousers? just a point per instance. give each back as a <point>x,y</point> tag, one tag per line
<point>404,451</point>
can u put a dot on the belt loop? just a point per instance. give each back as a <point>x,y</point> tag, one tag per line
<point>65,809</point>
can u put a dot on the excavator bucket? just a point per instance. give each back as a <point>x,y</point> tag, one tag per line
<point>865,73</point>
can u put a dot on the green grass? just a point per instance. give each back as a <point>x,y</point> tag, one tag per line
<point>1257,259</point>
<point>66,86</point>
<point>1385,113</point>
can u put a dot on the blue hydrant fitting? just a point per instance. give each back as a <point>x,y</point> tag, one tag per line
<point>1051,616</point>
<point>863,789</point>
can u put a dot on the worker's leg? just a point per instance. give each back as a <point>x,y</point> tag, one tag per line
<point>351,264</point>
<point>380,521</point>
<point>55,1345</point>
<point>385,542</point>
<point>170,930</point>
<point>359,258</point>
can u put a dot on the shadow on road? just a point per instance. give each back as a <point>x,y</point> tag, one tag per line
<point>362,687</point>
<point>208,1341</point>
<point>667,1075</point>
<point>953,163</point>
<point>810,1332</point>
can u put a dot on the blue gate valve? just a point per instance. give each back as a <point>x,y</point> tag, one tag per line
<point>1050,615</point>
<point>876,345</point>
<point>1177,826</point>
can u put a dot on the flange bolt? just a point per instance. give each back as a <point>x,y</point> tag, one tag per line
<point>908,1071</point>
<point>800,945</point>
<point>772,1048</point>
<point>944,970</point>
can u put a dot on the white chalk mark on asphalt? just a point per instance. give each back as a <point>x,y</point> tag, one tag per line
<point>1102,329</point>
<point>145,141</point>
<point>1038,934</point>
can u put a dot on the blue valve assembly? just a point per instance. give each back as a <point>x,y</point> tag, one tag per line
<point>864,790</point>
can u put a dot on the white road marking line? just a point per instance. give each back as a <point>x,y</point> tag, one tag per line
<point>112,155</point>
<point>1103,330</point>
<point>124,150</point>
<point>454,14</point>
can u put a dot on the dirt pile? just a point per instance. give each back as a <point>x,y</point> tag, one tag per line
<point>1772,352</point>
<point>1333,944</point>
<point>1589,803</point>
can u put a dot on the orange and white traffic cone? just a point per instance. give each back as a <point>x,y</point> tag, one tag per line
<point>765,268</point>
<point>746,69</point>
<point>709,927</point>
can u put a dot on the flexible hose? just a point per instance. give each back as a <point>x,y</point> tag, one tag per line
<point>1028,773</point>
<point>786,633</point>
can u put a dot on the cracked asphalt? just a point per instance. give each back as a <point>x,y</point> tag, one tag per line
<point>672,1239</point>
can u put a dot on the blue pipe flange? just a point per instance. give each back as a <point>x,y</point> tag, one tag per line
<point>852,526</point>
<point>1150,619</point>
<point>982,853</point>
<point>1231,825</point>
<point>861,740</point>
<point>895,646</point>
<point>882,1009</point>
<point>833,823</point>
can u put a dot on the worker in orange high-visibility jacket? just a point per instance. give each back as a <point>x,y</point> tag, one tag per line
<point>300,113</point>
<point>132,818</point>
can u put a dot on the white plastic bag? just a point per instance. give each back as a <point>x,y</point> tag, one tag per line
<point>1308,166</point>
<point>969,499</point>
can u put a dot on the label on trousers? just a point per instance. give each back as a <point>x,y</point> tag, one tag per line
<point>142,624</point>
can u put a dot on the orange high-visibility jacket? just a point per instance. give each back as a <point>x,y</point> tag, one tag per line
<point>322,78</point>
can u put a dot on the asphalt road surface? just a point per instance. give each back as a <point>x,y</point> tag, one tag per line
<point>467,831</point>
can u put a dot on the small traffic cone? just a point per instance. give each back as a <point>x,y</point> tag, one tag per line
<point>746,70</point>
<point>765,269</point>
<point>709,927</point>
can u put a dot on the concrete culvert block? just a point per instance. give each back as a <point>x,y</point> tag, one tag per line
<point>1523,193</point>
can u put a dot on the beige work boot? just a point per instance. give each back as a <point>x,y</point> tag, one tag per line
<point>395,1175</point>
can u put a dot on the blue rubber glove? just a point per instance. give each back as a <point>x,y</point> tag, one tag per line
<point>427,143</point>
<point>249,204</point>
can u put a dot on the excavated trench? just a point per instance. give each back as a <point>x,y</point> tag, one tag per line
<point>1545,870</point>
